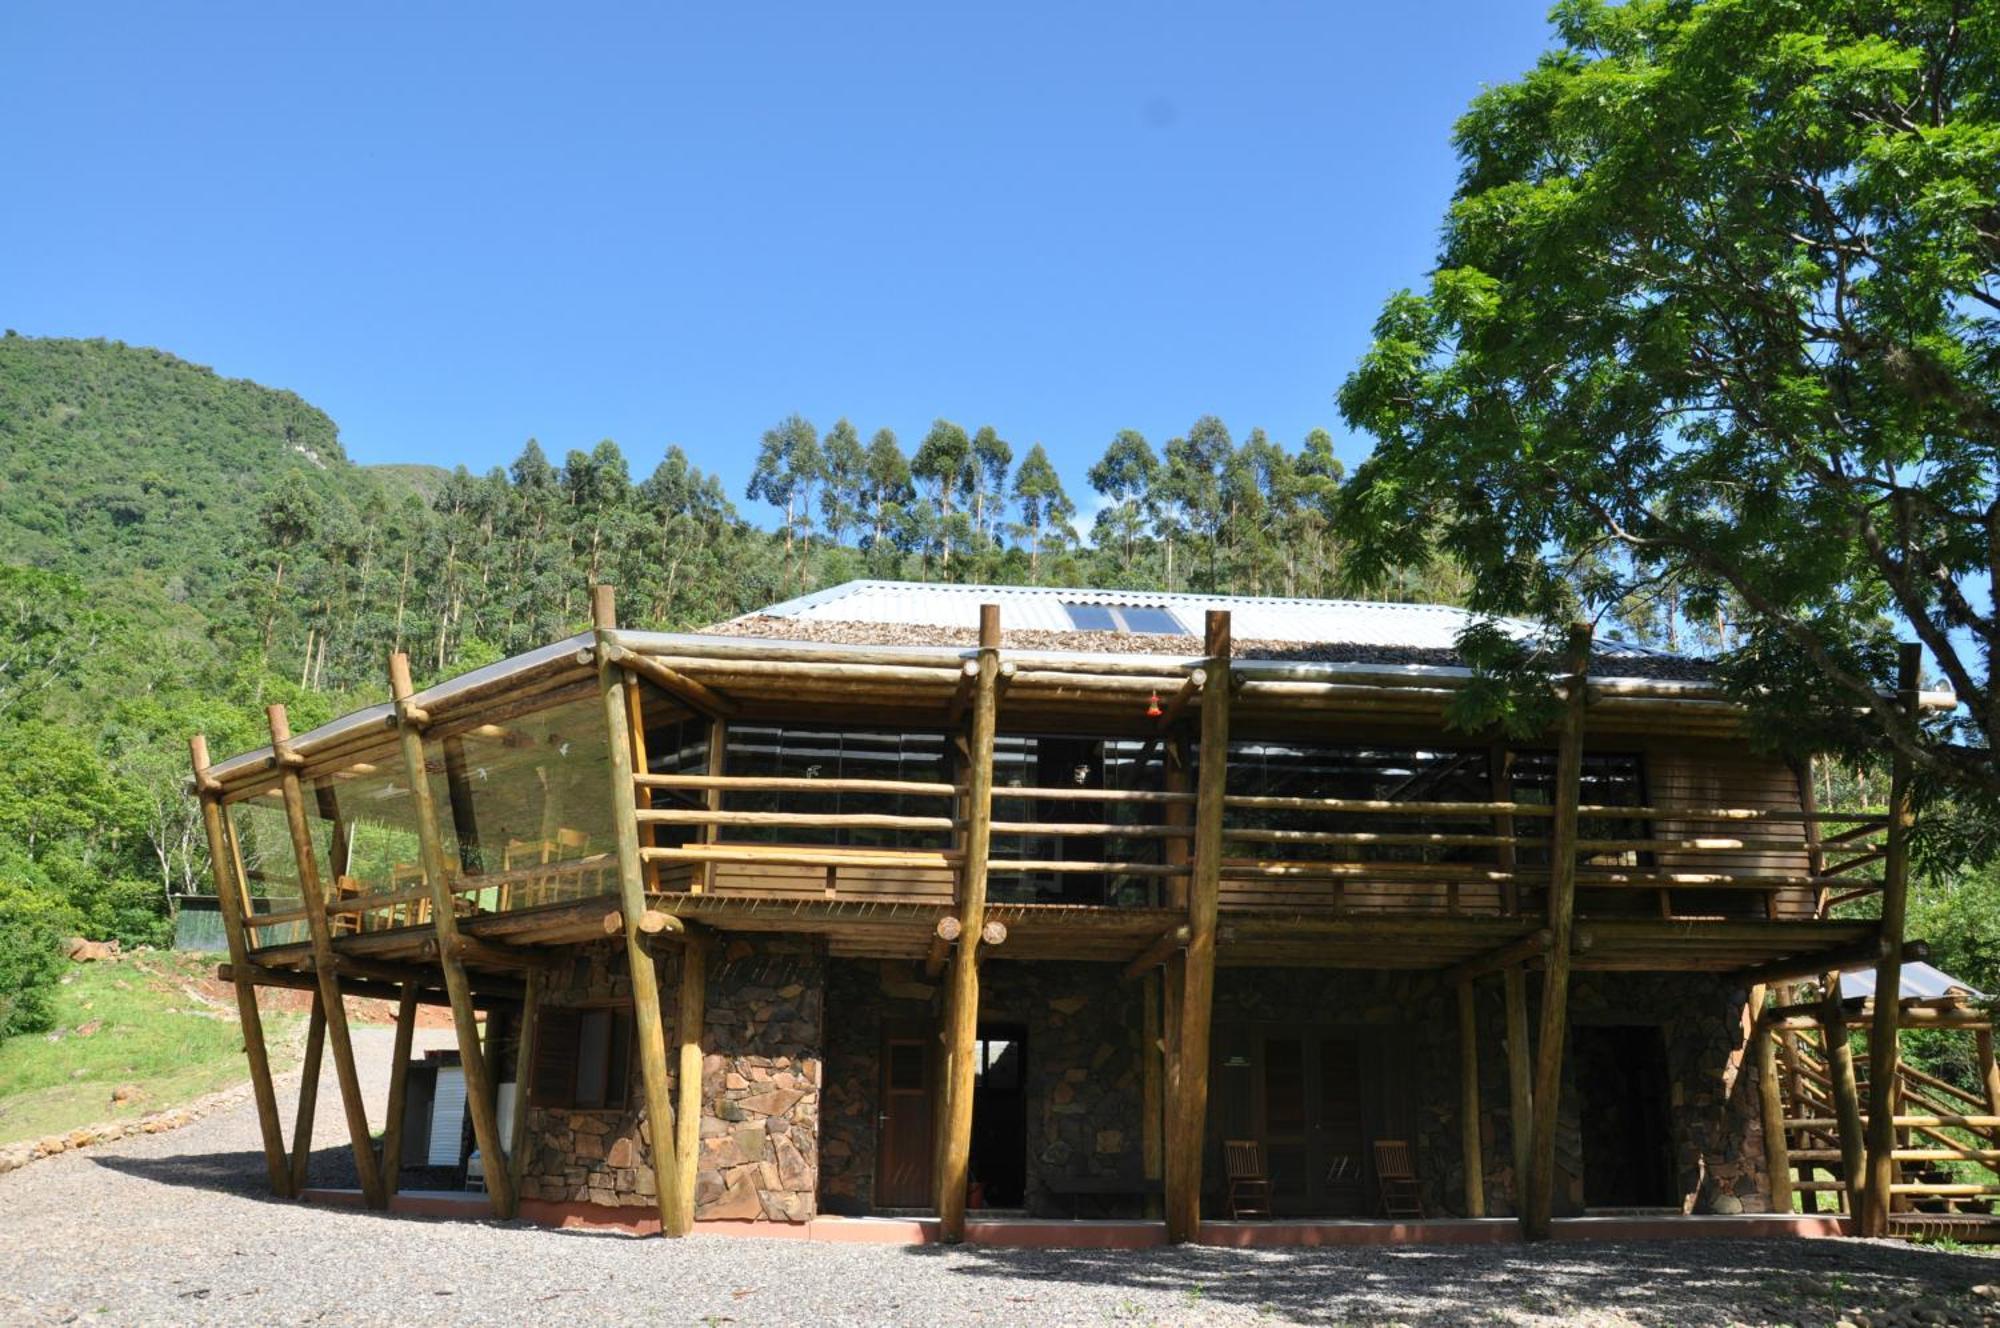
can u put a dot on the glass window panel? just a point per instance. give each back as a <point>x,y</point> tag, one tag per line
<point>1091,617</point>
<point>1148,618</point>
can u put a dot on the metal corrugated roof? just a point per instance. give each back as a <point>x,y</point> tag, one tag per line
<point>1919,979</point>
<point>1255,617</point>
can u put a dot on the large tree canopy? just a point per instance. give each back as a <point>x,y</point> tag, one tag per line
<point>1714,323</point>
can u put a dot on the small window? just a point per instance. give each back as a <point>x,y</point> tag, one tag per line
<point>1135,619</point>
<point>584,1060</point>
<point>1092,617</point>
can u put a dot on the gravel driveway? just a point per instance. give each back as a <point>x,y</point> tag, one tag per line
<point>176,1228</point>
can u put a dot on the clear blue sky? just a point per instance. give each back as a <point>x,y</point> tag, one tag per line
<point>457,226</point>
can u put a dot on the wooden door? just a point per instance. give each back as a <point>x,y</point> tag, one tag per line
<point>903,1125</point>
<point>1310,1108</point>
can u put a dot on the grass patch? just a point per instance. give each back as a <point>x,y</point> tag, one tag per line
<point>153,1029</point>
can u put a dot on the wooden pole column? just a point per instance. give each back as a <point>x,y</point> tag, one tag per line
<point>650,1024</point>
<point>229,891</point>
<point>1468,1102</point>
<point>480,1100</point>
<point>690,1012</point>
<point>1538,1213</point>
<point>1846,1097</point>
<point>313,899</point>
<point>1989,1072</point>
<point>308,1103</point>
<point>399,1084</point>
<point>527,1049</point>
<point>1520,1079</point>
<point>1770,1104</point>
<point>962,999</point>
<point>1187,1125</point>
<point>1882,1034</point>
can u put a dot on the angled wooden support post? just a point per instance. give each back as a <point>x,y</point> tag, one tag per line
<point>1188,1120</point>
<point>479,1088</point>
<point>1770,1105</point>
<point>650,1025</point>
<point>690,1013</point>
<point>308,1104</point>
<point>962,998</point>
<point>399,1087</point>
<point>1520,1080</point>
<point>1538,1212</point>
<point>1468,1102</point>
<point>229,891</point>
<point>1846,1096</point>
<point>1883,1058</point>
<point>527,1050</point>
<point>313,898</point>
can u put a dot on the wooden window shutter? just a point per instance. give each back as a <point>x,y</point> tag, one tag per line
<point>554,1084</point>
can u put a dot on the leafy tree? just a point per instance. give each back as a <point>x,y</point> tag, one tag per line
<point>33,924</point>
<point>942,461</point>
<point>1038,492</point>
<point>788,466</point>
<point>1716,315</point>
<point>840,498</point>
<point>985,480</point>
<point>885,488</point>
<point>1125,474</point>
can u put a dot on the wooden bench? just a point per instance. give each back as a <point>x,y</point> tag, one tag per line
<point>1077,1188</point>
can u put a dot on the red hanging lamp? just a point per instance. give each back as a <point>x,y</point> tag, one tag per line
<point>1153,710</point>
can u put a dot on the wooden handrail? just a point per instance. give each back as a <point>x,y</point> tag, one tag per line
<point>1481,810</point>
<point>789,784</point>
<point>1095,795</point>
<point>794,820</point>
<point>1093,829</point>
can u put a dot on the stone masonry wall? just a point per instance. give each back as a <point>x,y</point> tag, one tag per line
<point>760,1090</point>
<point>1082,1072</point>
<point>1713,1119</point>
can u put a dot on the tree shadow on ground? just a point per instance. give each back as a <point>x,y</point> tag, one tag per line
<point>1679,1283</point>
<point>242,1171</point>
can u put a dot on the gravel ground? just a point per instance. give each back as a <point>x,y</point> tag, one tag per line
<point>175,1228</point>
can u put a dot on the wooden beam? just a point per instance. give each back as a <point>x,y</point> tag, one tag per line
<point>1183,696</point>
<point>308,1104</point>
<point>527,1049</point>
<point>690,1012</point>
<point>1152,1086</point>
<point>296,980</point>
<point>1187,1126</point>
<point>313,897</point>
<point>399,1087</point>
<point>1771,1106</point>
<point>1797,968</point>
<point>1150,958</point>
<point>718,765</point>
<point>947,930</point>
<point>647,1018</point>
<point>1532,946</point>
<point>479,1086</point>
<point>1882,1038</point>
<point>962,1000</point>
<point>229,892</point>
<point>1520,1079</point>
<point>673,682</point>
<point>1538,1212</point>
<point>653,922</point>
<point>1468,1101</point>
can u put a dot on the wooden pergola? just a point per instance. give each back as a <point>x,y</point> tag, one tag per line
<point>1504,917</point>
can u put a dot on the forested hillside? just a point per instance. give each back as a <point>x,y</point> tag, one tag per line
<point>178,549</point>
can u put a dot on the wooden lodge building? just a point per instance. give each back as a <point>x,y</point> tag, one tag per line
<point>924,899</point>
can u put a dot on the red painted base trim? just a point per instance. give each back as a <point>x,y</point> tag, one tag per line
<point>1041,1233</point>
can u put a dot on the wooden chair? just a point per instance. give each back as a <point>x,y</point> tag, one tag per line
<point>345,922</point>
<point>1396,1173</point>
<point>407,876</point>
<point>1249,1187</point>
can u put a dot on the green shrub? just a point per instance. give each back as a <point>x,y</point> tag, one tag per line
<point>33,925</point>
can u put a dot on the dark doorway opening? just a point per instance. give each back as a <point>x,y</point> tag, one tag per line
<point>999,1163</point>
<point>1622,1081</point>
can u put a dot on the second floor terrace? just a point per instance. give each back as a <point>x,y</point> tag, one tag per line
<point>794,771</point>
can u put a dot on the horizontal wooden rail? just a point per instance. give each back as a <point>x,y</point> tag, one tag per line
<point>1093,829</point>
<point>806,856</point>
<point>1095,795</point>
<point>795,820</point>
<point>1023,866</point>
<point>1985,1156</point>
<point>787,784</point>
<point>1902,1122</point>
<point>1482,810</point>
<point>1362,838</point>
<point>275,919</point>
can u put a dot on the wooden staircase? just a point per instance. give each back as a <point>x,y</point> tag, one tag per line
<point>1947,1146</point>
